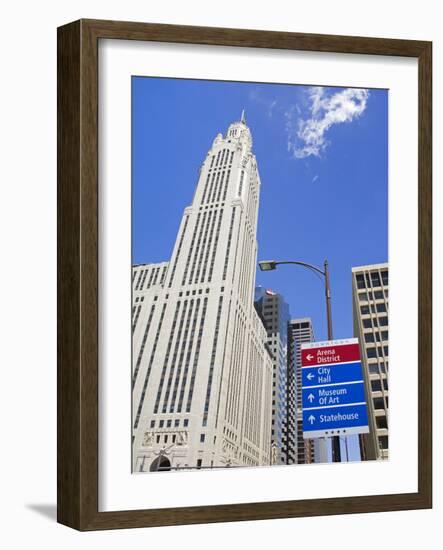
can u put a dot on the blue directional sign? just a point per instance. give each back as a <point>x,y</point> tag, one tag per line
<point>336,418</point>
<point>331,374</point>
<point>333,389</point>
<point>328,396</point>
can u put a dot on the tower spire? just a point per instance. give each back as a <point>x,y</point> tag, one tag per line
<point>243,117</point>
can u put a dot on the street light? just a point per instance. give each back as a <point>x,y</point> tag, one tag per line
<point>270,265</point>
<point>267,265</point>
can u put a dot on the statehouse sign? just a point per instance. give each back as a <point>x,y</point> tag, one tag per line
<point>333,389</point>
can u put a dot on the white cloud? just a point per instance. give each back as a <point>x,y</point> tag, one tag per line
<point>308,136</point>
<point>271,107</point>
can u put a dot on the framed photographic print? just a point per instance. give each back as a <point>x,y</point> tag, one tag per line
<point>244,275</point>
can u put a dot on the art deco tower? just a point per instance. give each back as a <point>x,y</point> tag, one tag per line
<point>202,377</point>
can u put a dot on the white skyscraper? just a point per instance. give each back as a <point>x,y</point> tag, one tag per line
<point>202,377</point>
<point>370,292</point>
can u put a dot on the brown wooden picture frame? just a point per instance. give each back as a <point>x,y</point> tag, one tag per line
<point>77,457</point>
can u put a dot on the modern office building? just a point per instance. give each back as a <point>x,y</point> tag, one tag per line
<point>370,289</point>
<point>202,376</point>
<point>274,312</point>
<point>299,331</point>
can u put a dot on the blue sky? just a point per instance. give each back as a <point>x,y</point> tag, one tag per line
<point>322,155</point>
<point>322,158</point>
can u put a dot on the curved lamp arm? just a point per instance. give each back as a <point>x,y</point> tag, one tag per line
<point>269,265</point>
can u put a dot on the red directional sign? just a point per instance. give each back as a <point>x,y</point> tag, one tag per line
<point>336,353</point>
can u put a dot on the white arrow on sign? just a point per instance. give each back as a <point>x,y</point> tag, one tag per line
<point>311,419</point>
<point>311,398</point>
<point>309,357</point>
<point>310,376</point>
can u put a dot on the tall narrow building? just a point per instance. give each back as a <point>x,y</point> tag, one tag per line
<point>370,290</point>
<point>274,312</point>
<point>299,331</point>
<point>202,377</point>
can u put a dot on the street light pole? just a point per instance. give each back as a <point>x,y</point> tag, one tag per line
<point>270,265</point>
<point>336,450</point>
<point>328,301</point>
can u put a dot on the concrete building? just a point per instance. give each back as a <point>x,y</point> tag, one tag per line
<point>299,331</point>
<point>370,290</point>
<point>202,377</point>
<point>274,312</point>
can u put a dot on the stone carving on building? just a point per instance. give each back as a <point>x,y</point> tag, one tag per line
<point>274,450</point>
<point>148,439</point>
<point>182,438</point>
<point>230,451</point>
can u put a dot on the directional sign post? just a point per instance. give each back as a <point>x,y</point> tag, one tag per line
<point>333,391</point>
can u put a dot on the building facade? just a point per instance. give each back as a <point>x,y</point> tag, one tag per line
<point>274,312</point>
<point>202,376</point>
<point>370,290</point>
<point>299,331</point>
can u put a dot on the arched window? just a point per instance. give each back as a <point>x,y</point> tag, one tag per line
<point>160,464</point>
